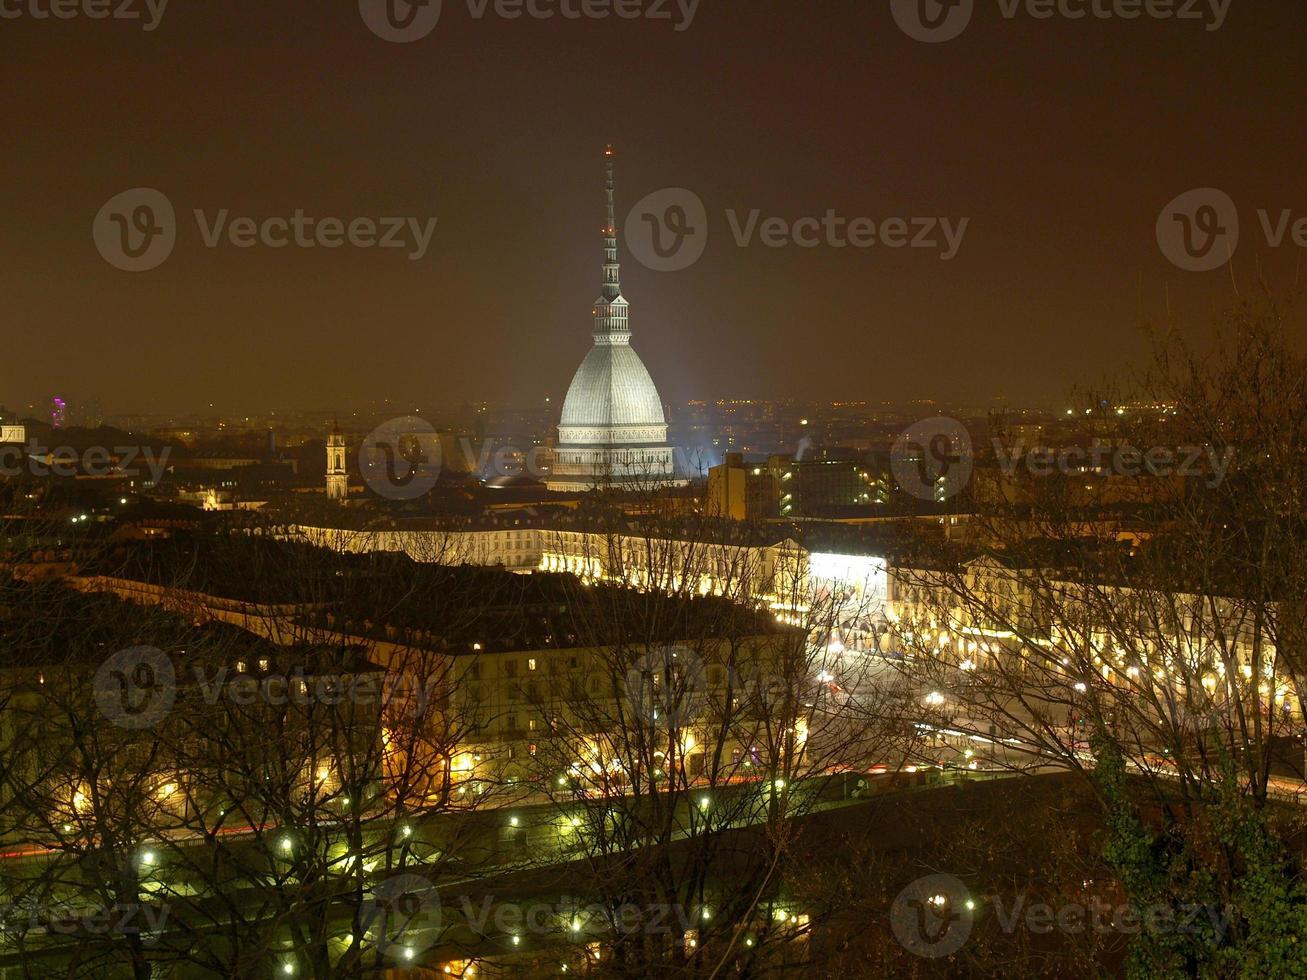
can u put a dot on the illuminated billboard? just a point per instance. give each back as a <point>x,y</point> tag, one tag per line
<point>13,433</point>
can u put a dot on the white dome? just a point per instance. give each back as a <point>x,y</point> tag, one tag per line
<point>612,430</point>
<point>612,389</point>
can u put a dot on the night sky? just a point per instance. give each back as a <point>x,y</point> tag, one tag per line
<point>1059,140</point>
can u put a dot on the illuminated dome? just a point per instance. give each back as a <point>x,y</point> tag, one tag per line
<point>612,430</point>
<point>612,390</point>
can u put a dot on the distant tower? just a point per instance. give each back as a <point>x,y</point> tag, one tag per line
<point>337,476</point>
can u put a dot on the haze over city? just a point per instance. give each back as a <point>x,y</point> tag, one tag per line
<point>1057,140</point>
<point>643,489</point>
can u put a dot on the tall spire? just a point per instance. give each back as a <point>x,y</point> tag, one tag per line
<point>612,269</point>
<point>610,313</point>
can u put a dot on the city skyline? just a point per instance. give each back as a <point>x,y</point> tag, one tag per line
<point>649,488</point>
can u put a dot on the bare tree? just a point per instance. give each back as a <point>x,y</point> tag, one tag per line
<point>1157,652</point>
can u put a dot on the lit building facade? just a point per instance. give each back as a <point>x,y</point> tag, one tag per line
<point>739,492</point>
<point>781,573</point>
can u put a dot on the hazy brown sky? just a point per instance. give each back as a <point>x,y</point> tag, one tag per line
<point>1059,140</point>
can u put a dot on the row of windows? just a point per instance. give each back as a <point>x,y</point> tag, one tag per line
<point>509,667</point>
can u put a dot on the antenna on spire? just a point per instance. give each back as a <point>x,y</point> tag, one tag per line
<point>610,314</point>
<point>612,287</point>
<point>610,229</point>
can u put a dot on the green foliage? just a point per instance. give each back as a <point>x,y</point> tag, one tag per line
<point>1268,892</point>
<point>1224,878</point>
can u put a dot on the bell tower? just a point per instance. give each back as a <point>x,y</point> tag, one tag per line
<point>337,475</point>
